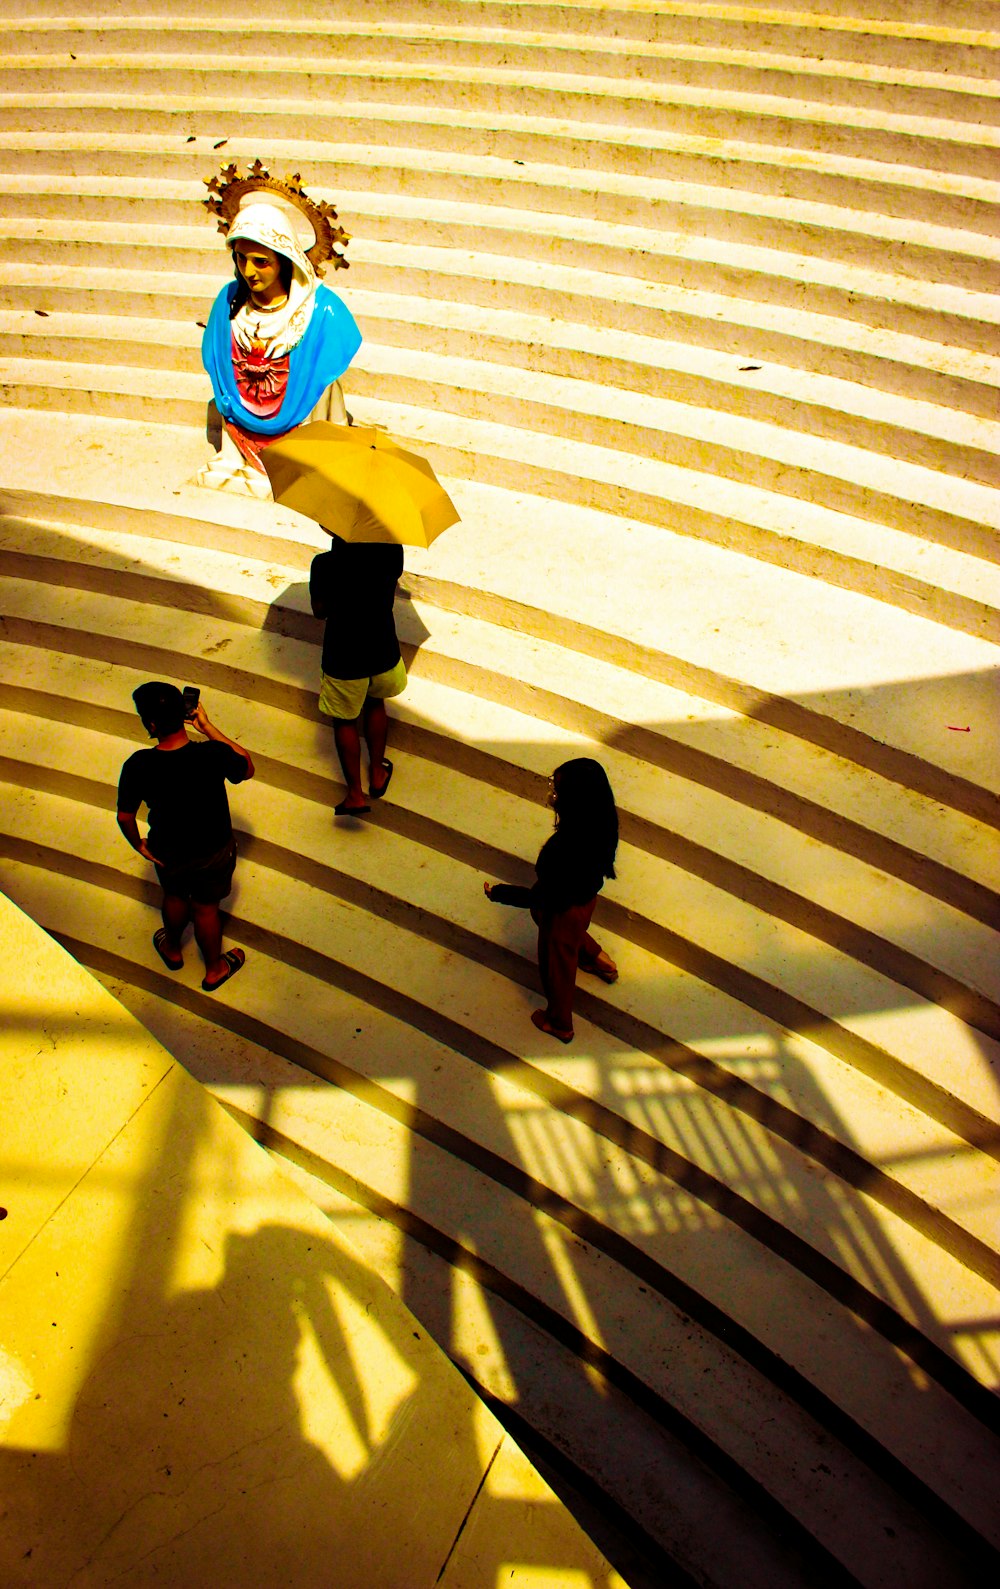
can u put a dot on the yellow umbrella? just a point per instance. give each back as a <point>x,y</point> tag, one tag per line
<point>359,483</point>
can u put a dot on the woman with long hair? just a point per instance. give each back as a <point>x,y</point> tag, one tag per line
<point>571,870</point>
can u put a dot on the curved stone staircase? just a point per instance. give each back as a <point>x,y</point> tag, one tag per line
<point>689,304</point>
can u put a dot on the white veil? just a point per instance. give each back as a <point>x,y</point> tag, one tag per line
<point>273,226</point>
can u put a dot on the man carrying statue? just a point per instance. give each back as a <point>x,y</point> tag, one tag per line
<point>275,347</point>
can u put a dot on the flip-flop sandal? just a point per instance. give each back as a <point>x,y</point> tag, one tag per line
<point>541,1020</point>
<point>235,959</point>
<point>605,969</point>
<point>377,794</point>
<point>159,939</point>
<point>344,810</point>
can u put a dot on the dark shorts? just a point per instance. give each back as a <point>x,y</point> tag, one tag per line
<point>205,882</point>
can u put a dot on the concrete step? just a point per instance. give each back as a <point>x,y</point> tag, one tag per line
<point>815,696</point>
<point>513,1351</point>
<point>848,32</point>
<point>634,179</point>
<point>746,179</point>
<point>905,429</point>
<point>823,40</point>
<point>734,1254</point>
<point>916,368</point>
<point>656,449</point>
<point>375,1153</point>
<point>436,898</point>
<point>550,675</point>
<point>483,823</point>
<point>160,1235</point>
<point>825,81</point>
<point>504,97</point>
<point>739,268</point>
<point>775,953</point>
<point>763,765</point>
<point>746,453</point>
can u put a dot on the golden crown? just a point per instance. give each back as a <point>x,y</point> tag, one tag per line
<point>227,189</point>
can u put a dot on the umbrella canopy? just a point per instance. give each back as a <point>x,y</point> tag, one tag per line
<point>359,483</point>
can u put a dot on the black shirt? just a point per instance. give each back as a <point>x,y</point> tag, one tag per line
<point>567,876</point>
<point>355,585</point>
<point>185,791</point>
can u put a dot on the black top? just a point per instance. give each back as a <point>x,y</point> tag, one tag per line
<point>567,876</point>
<point>185,791</point>
<point>354,585</point>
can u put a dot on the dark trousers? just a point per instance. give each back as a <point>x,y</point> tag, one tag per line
<point>563,944</point>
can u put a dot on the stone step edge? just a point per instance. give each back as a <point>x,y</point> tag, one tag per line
<point>894,963</point>
<point>890,956</point>
<point>729,872</point>
<point>883,420</point>
<point>842,738</point>
<point>751,990</point>
<point>633,411</point>
<point>483,605</point>
<point>800,333</point>
<point>573,90</point>
<point>611,51</point>
<point>802,722</point>
<point>943,574</point>
<point>908,133</point>
<point>556,1435</point>
<point>951,510</point>
<point>941,1366</point>
<point>849,178</point>
<point>908,435</point>
<point>748,988</point>
<point>318,1189</point>
<point>475,217</point>
<point>772,21</point>
<point>878,282</point>
<point>561,1326</point>
<point>410,823</point>
<point>552,458</point>
<point>569,1335</point>
<point>800,216</point>
<point>269,537</point>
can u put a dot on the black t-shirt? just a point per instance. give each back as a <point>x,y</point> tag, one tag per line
<point>185,791</point>
<point>355,583</point>
<point>567,875</point>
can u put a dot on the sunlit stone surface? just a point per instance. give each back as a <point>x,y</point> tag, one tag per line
<point>692,309</point>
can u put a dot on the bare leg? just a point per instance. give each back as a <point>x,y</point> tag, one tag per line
<point>176,915</point>
<point>208,932</point>
<point>376,727</point>
<point>167,939</point>
<point>348,741</point>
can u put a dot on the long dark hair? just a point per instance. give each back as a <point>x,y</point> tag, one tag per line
<point>585,811</point>
<point>286,270</point>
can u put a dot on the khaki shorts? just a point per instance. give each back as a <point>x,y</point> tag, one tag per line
<point>344,698</point>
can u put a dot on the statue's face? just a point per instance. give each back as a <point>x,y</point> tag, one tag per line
<point>260,269</point>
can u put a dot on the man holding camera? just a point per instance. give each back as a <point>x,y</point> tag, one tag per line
<point>190,839</point>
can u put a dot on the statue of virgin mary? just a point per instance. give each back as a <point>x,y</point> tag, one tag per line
<point>277,340</point>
